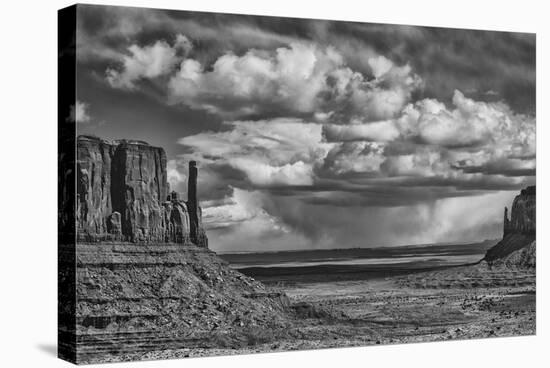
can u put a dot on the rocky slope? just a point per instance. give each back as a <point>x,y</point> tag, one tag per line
<point>123,195</point>
<point>525,257</point>
<point>137,298</point>
<point>517,246</point>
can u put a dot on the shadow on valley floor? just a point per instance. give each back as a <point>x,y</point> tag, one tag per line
<point>335,272</point>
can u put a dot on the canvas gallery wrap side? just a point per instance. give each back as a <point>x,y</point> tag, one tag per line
<point>233,184</point>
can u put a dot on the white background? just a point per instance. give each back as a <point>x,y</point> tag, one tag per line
<point>28,181</point>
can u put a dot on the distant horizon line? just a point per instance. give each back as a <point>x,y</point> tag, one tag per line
<point>355,248</point>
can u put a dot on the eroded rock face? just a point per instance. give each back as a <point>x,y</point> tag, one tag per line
<point>139,187</point>
<point>519,229</point>
<point>525,257</point>
<point>94,159</point>
<point>122,194</point>
<point>114,226</point>
<point>176,218</point>
<point>523,217</point>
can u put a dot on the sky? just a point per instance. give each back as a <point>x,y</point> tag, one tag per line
<point>315,134</point>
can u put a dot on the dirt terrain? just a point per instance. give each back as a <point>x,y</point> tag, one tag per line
<point>139,302</point>
<point>455,303</point>
<point>134,300</point>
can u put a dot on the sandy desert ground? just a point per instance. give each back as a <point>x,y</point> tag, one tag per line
<point>455,303</point>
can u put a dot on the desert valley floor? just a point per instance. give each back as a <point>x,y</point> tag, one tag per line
<point>461,302</point>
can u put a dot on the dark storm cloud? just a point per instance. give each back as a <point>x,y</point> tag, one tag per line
<point>326,225</point>
<point>314,132</point>
<point>473,61</point>
<point>361,191</point>
<point>498,171</point>
<point>447,59</point>
<point>212,33</point>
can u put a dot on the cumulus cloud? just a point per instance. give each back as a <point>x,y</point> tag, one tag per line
<point>431,140</point>
<point>290,78</point>
<point>470,123</point>
<point>475,136</point>
<point>411,150</point>
<point>237,207</point>
<point>240,222</point>
<point>117,25</point>
<point>275,152</point>
<point>355,157</point>
<point>381,131</point>
<point>322,134</point>
<point>259,173</point>
<point>299,78</point>
<point>423,163</point>
<point>380,65</point>
<point>386,95</point>
<point>150,61</point>
<point>175,170</point>
<point>79,113</point>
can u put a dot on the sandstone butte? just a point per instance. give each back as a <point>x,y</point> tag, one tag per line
<point>518,244</point>
<point>123,195</point>
<point>140,278</point>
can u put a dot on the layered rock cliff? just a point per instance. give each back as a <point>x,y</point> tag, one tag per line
<point>136,300</point>
<point>523,219</point>
<point>122,195</point>
<point>519,232</point>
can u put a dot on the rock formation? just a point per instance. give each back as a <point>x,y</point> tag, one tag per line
<point>507,227</point>
<point>198,236</point>
<point>136,299</point>
<point>93,185</point>
<point>139,186</point>
<point>519,231</point>
<point>525,257</point>
<point>122,195</point>
<point>523,216</point>
<point>130,288</point>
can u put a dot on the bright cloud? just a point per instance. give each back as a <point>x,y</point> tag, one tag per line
<point>79,113</point>
<point>322,136</point>
<point>470,123</point>
<point>236,208</point>
<point>291,78</point>
<point>381,131</point>
<point>176,175</point>
<point>241,222</point>
<point>276,152</point>
<point>357,157</point>
<point>301,78</point>
<point>149,62</point>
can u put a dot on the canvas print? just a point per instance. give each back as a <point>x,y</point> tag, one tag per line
<point>233,184</point>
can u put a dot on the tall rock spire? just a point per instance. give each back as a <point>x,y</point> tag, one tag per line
<point>192,203</point>
<point>506,222</point>
<point>192,183</point>
<point>197,233</point>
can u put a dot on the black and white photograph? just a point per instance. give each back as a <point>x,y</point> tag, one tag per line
<point>234,184</point>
